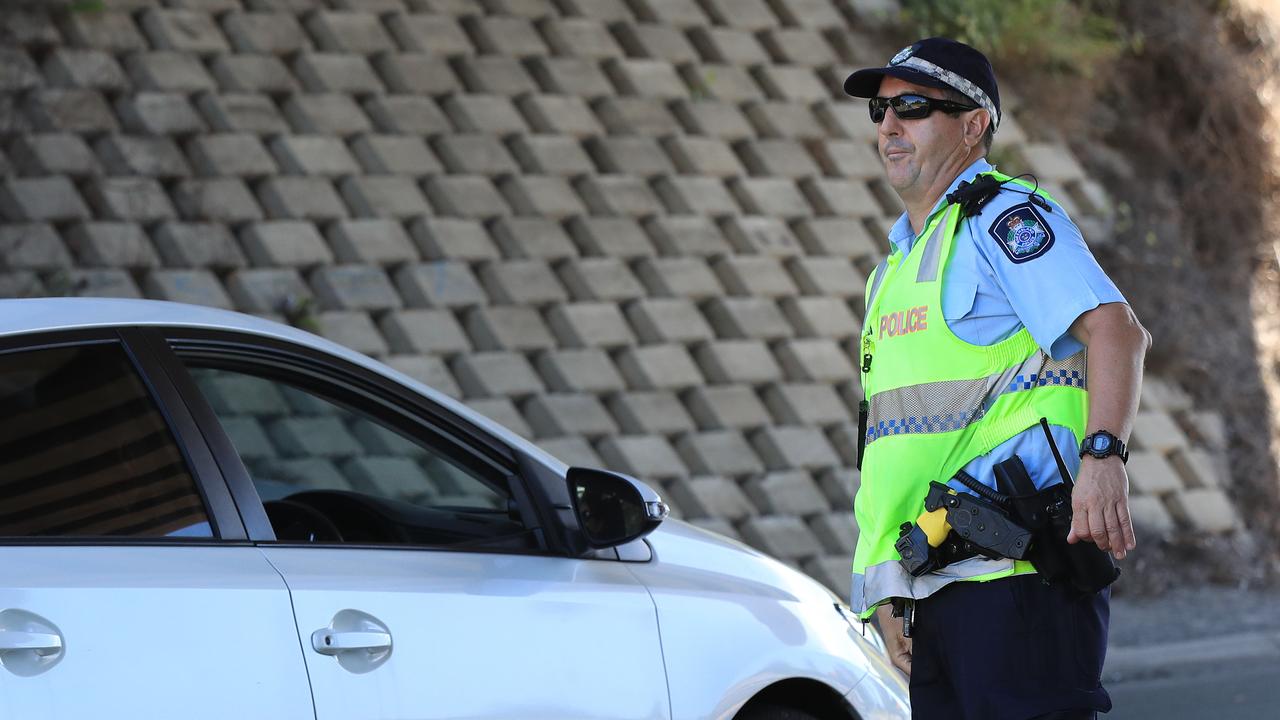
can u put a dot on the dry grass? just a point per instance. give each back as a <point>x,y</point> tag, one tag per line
<point>1181,137</point>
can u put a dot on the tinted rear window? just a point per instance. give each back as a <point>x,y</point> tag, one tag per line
<point>84,451</point>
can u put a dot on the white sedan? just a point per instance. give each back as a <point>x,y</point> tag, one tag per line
<point>209,515</point>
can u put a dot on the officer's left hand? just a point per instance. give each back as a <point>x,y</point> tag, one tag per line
<point>1100,506</point>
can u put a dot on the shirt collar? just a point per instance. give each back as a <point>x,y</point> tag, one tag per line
<point>902,237</point>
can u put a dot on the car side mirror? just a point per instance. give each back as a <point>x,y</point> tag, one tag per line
<point>613,509</point>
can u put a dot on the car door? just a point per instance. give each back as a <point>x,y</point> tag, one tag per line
<point>420,585</point>
<point>129,589</point>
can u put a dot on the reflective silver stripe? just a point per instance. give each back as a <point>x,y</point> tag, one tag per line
<point>876,281</point>
<point>974,92</point>
<point>948,405</point>
<point>889,580</point>
<point>928,271</point>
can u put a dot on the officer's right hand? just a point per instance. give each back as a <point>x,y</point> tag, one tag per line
<point>899,647</point>
<point>1100,506</point>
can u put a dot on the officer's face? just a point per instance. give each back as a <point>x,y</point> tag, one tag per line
<point>916,152</point>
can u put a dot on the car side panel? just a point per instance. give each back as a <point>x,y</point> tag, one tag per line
<point>735,621</point>
<point>481,635</point>
<point>882,695</point>
<point>194,632</point>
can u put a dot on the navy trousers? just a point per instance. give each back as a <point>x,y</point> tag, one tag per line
<point>1009,649</point>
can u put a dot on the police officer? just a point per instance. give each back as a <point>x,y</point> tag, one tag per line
<point>977,326</point>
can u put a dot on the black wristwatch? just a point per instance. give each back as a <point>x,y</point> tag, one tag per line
<point>1102,444</point>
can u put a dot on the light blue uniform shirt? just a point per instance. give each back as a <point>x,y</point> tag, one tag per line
<point>987,297</point>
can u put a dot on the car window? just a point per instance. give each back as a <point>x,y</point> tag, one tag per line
<point>327,472</point>
<point>85,452</point>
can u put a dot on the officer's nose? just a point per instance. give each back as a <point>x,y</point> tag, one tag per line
<point>890,125</point>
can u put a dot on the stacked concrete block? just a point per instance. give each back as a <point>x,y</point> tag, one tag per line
<point>776,119</point>
<point>465,196</point>
<point>631,115</point>
<point>618,195</point>
<point>218,200</point>
<point>677,277</point>
<point>300,198</point>
<point>406,114</point>
<point>708,496</point>
<point>376,241</point>
<point>820,317</point>
<point>649,456</point>
<point>718,407</point>
<point>747,318</point>
<point>783,536</point>
<point>714,118</point>
<point>636,230</point>
<point>33,246</point>
<point>159,113</point>
<point>790,492</point>
<point>798,46</point>
<point>606,279</point>
<point>753,278</point>
<point>654,40</point>
<point>1181,479</point>
<point>719,452</point>
<point>621,238</point>
<point>737,362</point>
<point>522,282</point>
<point>111,244</point>
<point>353,329</point>
<point>225,112</point>
<point>584,325</point>
<point>445,283</point>
<point>686,235</point>
<point>550,155</point>
<point>268,291</point>
<point>561,114</point>
<point>543,196</point>
<point>659,320</point>
<point>728,45</point>
<point>643,413</point>
<point>659,367</point>
<point>688,195</point>
<point>452,239</point>
<point>580,371</point>
<point>507,327</point>
<point>428,332</point>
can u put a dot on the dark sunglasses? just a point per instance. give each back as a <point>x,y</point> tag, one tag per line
<point>912,107</point>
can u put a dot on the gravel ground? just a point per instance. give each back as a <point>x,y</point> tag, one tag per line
<point>1192,613</point>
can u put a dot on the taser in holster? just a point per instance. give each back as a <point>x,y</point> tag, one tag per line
<point>981,525</point>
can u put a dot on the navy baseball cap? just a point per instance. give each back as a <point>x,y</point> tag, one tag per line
<point>936,62</point>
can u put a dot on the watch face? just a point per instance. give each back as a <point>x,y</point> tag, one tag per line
<point>1101,443</point>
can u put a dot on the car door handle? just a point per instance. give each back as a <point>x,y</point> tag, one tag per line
<point>42,643</point>
<point>330,642</point>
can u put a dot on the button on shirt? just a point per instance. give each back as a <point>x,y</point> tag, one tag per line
<point>986,298</point>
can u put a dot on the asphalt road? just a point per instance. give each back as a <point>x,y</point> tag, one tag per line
<point>1236,690</point>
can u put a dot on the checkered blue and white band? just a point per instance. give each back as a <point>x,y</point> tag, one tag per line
<point>948,405</point>
<point>973,92</point>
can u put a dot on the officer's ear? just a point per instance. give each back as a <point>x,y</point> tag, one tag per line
<point>975,126</point>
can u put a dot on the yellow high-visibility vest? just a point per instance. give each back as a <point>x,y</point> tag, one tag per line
<point>934,403</point>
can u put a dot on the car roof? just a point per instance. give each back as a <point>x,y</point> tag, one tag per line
<point>36,315</point>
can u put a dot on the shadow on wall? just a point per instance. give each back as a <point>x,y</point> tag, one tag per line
<point>1179,138</point>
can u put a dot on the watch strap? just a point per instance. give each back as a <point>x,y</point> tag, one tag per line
<point>1116,447</point>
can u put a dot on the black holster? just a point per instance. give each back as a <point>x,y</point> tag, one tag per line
<point>1082,567</point>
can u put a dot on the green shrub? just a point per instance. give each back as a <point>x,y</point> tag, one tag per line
<point>1034,37</point>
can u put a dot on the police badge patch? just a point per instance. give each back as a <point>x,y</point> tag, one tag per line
<point>1022,233</point>
<point>903,55</point>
